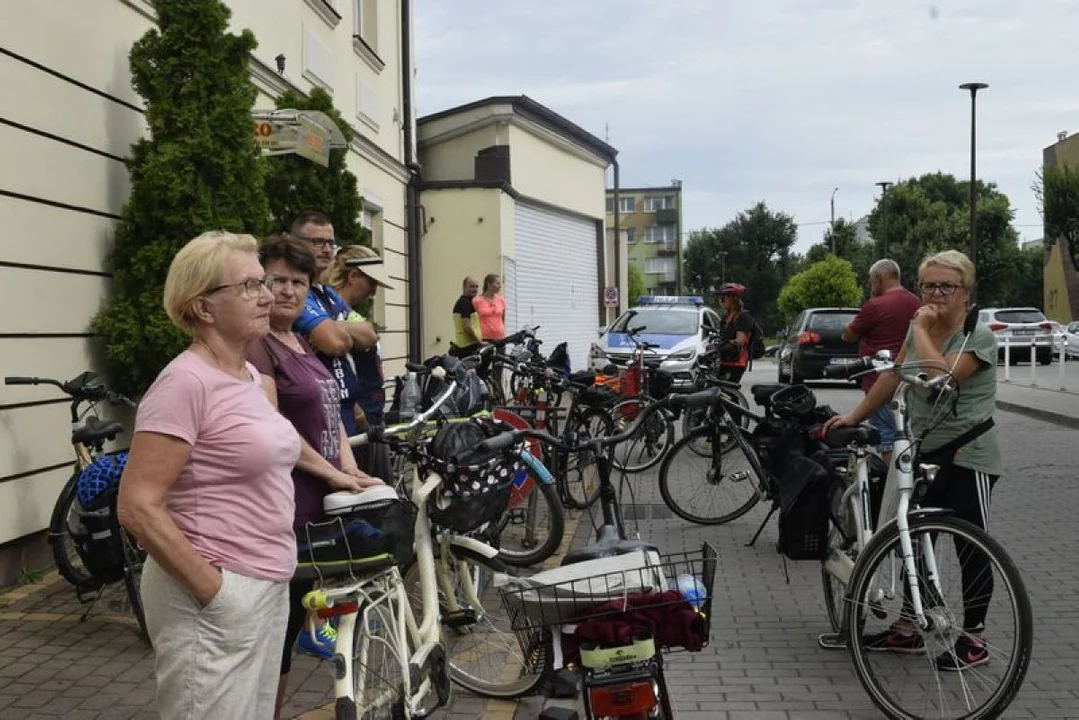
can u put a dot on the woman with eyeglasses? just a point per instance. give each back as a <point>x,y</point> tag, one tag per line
<point>964,443</point>
<point>208,492</point>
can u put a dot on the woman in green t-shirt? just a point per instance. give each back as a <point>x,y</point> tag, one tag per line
<point>965,484</point>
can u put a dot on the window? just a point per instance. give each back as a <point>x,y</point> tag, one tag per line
<point>327,10</point>
<point>631,235</point>
<point>661,321</point>
<point>658,202</point>
<point>659,233</point>
<point>627,204</point>
<point>610,204</point>
<point>365,32</point>
<point>659,265</point>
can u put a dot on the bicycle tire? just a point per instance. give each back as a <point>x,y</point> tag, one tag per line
<point>384,675</point>
<point>557,530</point>
<point>132,581</point>
<point>834,590</point>
<point>693,418</point>
<point>579,495</point>
<point>623,415</point>
<point>679,454</point>
<point>881,548</point>
<point>63,549</point>
<point>505,650</point>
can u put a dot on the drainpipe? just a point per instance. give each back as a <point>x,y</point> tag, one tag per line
<point>412,194</point>
<point>622,291</point>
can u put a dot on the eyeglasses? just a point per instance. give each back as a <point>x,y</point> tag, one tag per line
<point>320,242</point>
<point>249,288</point>
<point>943,288</point>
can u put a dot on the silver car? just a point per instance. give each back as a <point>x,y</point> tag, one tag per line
<point>1021,332</point>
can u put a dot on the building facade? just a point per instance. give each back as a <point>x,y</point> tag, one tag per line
<point>650,220</point>
<point>1061,283</point>
<point>512,188</point>
<point>70,124</point>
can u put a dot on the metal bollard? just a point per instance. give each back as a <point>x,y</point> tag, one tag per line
<point>1061,360</point>
<point>1033,361</point>
<point>1007,359</point>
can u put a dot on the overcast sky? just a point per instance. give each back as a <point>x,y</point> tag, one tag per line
<point>775,100</point>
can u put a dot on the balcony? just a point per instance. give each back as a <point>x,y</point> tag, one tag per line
<point>667,248</point>
<point>668,216</point>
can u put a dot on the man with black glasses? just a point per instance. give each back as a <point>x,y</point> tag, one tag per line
<point>323,321</point>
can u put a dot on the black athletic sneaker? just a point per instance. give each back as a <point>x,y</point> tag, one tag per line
<point>969,652</point>
<point>892,640</point>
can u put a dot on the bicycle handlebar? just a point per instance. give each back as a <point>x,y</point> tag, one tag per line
<point>76,392</point>
<point>867,365</point>
<point>376,434</point>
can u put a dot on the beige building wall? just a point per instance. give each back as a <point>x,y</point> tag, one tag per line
<point>63,185</point>
<point>456,160</point>
<point>461,239</point>
<point>543,168</point>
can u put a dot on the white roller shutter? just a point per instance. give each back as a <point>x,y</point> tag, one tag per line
<point>557,278</point>
<point>509,293</point>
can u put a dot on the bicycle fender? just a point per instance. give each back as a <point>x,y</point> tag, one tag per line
<point>918,513</point>
<point>471,547</point>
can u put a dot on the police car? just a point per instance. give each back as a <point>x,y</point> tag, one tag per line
<point>678,324</point>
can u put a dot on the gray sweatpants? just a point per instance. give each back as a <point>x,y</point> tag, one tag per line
<point>221,661</point>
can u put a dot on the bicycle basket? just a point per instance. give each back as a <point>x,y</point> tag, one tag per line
<point>363,529</point>
<point>99,541</point>
<point>610,601</point>
<point>100,475</point>
<point>476,486</point>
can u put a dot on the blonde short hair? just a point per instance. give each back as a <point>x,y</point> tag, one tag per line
<point>951,260</point>
<point>196,269</point>
<point>336,275</point>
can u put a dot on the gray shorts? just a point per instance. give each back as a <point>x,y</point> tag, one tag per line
<point>221,661</point>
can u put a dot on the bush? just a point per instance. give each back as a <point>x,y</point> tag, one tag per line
<point>198,170</point>
<point>828,283</point>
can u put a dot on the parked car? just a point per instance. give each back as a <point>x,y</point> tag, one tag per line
<point>1071,336</point>
<point>813,342</point>
<point>677,323</point>
<point>1021,329</point>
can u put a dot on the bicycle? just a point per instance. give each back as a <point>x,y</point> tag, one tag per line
<point>89,546</point>
<point>597,586</point>
<point>437,632</point>
<point>900,561</point>
<point>709,373</point>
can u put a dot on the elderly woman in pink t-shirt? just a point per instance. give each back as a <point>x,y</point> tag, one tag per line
<point>208,492</point>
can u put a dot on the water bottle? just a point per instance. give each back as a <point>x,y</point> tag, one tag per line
<point>411,396</point>
<point>691,589</point>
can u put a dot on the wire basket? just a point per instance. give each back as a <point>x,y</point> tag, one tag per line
<point>621,595</point>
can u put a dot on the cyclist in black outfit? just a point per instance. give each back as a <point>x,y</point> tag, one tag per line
<point>735,332</point>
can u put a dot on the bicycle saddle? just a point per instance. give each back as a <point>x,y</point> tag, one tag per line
<point>607,545</point>
<point>762,394</point>
<point>94,430</point>
<point>857,435</point>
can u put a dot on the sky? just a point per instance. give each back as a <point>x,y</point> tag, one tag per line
<point>775,100</point>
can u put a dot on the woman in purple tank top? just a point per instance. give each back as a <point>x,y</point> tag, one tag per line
<point>307,395</point>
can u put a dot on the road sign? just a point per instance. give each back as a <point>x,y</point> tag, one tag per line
<point>610,296</point>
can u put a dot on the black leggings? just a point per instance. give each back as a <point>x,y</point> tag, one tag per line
<point>296,617</point>
<point>968,493</point>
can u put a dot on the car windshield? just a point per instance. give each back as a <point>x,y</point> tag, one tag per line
<point>1073,327</point>
<point>659,321</point>
<point>1020,316</point>
<point>830,320</point>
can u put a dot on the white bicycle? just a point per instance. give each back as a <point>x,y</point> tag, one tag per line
<point>913,569</point>
<point>402,637</point>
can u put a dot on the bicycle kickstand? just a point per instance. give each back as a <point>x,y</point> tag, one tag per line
<point>764,522</point>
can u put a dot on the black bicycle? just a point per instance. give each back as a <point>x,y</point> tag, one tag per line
<point>90,547</point>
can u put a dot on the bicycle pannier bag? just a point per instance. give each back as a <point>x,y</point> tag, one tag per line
<point>804,511</point>
<point>476,486</point>
<point>98,541</point>
<point>360,527</point>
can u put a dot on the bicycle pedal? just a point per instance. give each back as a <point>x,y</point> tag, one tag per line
<point>460,618</point>
<point>832,641</point>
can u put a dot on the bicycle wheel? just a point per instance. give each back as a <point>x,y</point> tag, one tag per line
<point>484,655</point>
<point>651,441</point>
<point>532,530</point>
<point>841,537</point>
<point>380,646</point>
<point>695,417</point>
<point>580,476</point>
<point>63,525</point>
<point>712,490</point>
<point>134,557</point>
<point>877,598</point>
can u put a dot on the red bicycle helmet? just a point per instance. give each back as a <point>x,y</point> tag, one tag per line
<point>736,289</point>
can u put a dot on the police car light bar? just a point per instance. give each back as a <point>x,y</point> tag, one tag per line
<point>670,300</point>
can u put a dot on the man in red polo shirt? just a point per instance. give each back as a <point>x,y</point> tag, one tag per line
<point>882,324</point>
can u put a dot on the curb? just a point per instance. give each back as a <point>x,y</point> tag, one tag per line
<point>1039,414</point>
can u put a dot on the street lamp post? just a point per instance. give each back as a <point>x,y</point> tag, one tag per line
<point>884,185</point>
<point>973,87</point>
<point>833,219</point>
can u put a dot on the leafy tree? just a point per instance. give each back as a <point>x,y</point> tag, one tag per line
<point>924,215</point>
<point>842,241</point>
<point>198,170</point>
<point>295,184</point>
<point>753,249</point>
<point>1057,190</point>
<point>636,284</point>
<point>1026,288</point>
<point>828,283</point>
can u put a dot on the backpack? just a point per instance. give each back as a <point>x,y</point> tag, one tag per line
<point>804,510</point>
<point>756,342</point>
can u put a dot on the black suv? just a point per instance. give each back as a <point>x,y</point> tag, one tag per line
<point>813,342</point>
